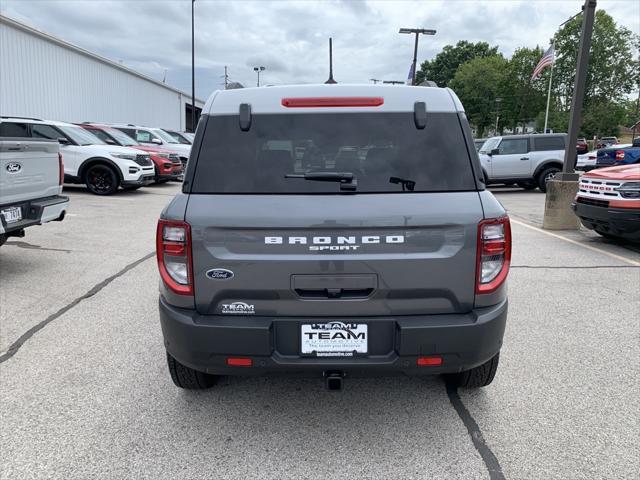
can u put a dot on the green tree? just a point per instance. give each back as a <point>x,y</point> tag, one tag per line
<point>443,68</point>
<point>522,98</point>
<point>479,83</point>
<point>613,71</point>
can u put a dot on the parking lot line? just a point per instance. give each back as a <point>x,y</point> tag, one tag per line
<point>574,242</point>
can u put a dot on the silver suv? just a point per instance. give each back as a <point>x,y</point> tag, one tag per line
<point>333,230</point>
<point>530,161</point>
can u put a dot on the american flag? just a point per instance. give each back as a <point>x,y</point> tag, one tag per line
<point>410,76</point>
<point>545,61</point>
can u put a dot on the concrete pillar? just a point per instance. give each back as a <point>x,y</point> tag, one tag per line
<point>558,214</point>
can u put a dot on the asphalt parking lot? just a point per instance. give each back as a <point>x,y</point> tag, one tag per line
<point>85,391</point>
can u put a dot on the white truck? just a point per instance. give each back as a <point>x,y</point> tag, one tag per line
<point>31,173</point>
<point>529,161</point>
<point>101,167</point>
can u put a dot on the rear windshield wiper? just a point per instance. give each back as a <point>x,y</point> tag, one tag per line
<point>346,179</point>
<point>406,184</point>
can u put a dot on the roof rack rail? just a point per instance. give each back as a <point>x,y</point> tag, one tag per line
<point>23,118</point>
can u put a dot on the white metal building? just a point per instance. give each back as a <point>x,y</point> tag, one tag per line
<point>45,77</point>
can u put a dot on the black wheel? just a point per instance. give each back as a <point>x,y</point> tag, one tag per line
<point>546,175</point>
<point>476,377</point>
<point>185,377</point>
<point>527,185</point>
<point>3,238</point>
<point>101,179</point>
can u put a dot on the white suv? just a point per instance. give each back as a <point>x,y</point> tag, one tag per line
<point>87,159</point>
<point>156,136</point>
<point>530,161</point>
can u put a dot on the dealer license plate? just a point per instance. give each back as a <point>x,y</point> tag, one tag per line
<point>334,339</point>
<point>11,215</point>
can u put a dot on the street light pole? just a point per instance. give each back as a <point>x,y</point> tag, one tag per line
<point>193,70</point>
<point>498,102</point>
<point>417,32</point>
<point>258,70</point>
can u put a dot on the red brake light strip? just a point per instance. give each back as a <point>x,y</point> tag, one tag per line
<point>319,102</point>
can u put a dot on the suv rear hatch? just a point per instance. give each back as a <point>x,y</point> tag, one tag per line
<point>402,241</point>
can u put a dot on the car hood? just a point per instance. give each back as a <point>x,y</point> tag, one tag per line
<point>149,149</point>
<point>623,172</point>
<point>107,149</point>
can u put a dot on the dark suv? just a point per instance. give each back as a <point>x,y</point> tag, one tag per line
<point>333,230</point>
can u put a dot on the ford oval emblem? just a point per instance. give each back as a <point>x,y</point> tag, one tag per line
<point>13,167</point>
<point>219,274</point>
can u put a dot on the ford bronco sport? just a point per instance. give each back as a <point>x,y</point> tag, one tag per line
<point>333,230</point>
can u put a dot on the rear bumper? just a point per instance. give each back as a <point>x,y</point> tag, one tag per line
<point>35,212</point>
<point>619,222</point>
<point>203,342</point>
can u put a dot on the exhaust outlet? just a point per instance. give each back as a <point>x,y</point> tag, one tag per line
<point>333,381</point>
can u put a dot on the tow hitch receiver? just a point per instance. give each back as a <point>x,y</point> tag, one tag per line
<point>333,380</point>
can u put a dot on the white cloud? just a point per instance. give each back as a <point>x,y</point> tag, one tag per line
<point>290,38</point>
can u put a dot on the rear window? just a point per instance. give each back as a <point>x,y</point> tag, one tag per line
<point>385,152</point>
<point>548,143</point>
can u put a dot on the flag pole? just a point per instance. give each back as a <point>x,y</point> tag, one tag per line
<point>546,115</point>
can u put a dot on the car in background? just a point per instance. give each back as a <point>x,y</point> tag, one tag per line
<point>587,161</point>
<point>167,164</point>
<point>608,202</point>
<point>87,159</point>
<point>478,142</point>
<point>180,137</point>
<point>190,136</point>
<point>156,137</point>
<point>606,142</point>
<point>529,160</point>
<point>624,154</point>
<point>582,146</point>
<point>31,174</point>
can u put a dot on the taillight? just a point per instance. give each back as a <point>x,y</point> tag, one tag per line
<point>494,254</point>
<point>60,169</point>
<point>619,155</point>
<point>173,249</point>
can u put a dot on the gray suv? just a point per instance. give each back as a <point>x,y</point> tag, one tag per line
<point>333,230</point>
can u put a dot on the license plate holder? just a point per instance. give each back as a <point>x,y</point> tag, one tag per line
<point>334,339</point>
<point>12,214</point>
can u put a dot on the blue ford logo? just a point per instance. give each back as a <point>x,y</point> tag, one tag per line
<point>13,167</point>
<point>220,274</point>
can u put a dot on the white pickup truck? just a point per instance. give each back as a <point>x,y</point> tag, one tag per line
<point>31,174</point>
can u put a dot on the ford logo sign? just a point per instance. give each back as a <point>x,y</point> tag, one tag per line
<point>13,167</point>
<point>219,274</point>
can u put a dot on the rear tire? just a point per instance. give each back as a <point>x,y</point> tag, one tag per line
<point>100,179</point>
<point>188,378</point>
<point>477,377</point>
<point>546,175</point>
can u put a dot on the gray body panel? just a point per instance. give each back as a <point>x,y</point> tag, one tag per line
<point>432,271</point>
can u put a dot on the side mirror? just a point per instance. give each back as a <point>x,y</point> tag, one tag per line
<point>157,141</point>
<point>110,141</point>
<point>63,141</point>
<point>495,151</point>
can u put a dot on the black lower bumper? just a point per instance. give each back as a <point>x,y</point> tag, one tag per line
<point>617,222</point>
<point>32,212</point>
<point>205,342</point>
<point>144,180</point>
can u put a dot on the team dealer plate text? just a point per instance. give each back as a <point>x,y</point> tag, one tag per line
<point>334,339</point>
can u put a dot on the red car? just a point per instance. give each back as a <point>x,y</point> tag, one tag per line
<point>608,202</point>
<point>167,164</point>
<point>582,147</point>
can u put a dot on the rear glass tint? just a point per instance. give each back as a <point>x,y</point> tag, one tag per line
<point>375,147</point>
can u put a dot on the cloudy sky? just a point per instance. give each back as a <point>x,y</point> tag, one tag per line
<point>290,37</point>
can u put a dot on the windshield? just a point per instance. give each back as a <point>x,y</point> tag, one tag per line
<point>164,136</point>
<point>490,144</point>
<point>385,152</point>
<point>180,138</point>
<point>121,137</point>
<point>80,136</point>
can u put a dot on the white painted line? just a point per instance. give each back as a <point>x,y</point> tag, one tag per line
<point>588,247</point>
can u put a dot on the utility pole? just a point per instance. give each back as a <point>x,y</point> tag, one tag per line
<point>258,70</point>
<point>193,69</point>
<point>375,80</point>
<point>562,187</point>
<point>498,102</point>
<point>417,32</point>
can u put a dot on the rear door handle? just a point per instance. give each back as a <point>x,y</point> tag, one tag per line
<point>524,158</point>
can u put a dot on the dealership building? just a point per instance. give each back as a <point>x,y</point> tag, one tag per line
<point>45,77</point>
